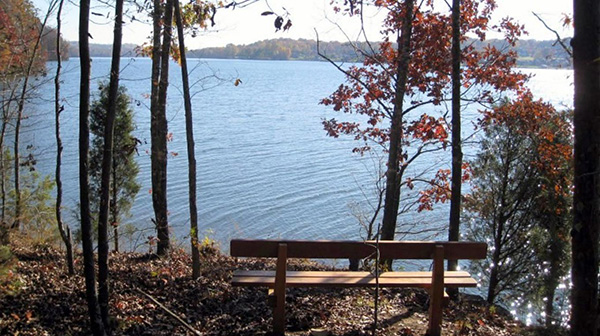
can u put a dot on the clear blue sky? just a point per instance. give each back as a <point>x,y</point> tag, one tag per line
<point>246,25</point>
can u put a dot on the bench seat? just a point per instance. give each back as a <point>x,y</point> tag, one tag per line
<point>350,279</point>
<point>277,281</point>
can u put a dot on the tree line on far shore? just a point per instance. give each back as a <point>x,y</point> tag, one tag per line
<point>532,53</point>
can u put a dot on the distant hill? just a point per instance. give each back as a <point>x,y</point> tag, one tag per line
<point>537,54</point>
<point>282,49</point>
<point>532,53</point>
<point>103,50</point>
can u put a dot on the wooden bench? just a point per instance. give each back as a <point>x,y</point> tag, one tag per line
<point>278,280</point>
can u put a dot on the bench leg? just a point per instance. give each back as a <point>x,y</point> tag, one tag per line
<point>279,315</point>
<point>437,293</point>
<point>280,275</point>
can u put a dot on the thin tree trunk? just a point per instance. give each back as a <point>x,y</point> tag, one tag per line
<point>159,139</point>
<point>84,186</point>
<point>552,279</point>
<point>393,178</point>
<point>155,133</point>
<point>4,227</point>
<point>114,208</point>
<point>59,147</point>
<point>5,117</point>
<point>109,126</point>
<point>189,128</point>
<point>491,296</point>
<point>549,307</point>
<point>20,108</point>
<point>586,198</point>
<point>454,227</point>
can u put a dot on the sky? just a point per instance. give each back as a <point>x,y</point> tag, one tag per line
<point>246,25</point>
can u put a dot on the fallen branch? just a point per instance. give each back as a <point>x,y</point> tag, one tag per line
<point>175,316</point>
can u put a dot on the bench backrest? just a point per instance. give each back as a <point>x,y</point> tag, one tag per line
<point>332,249</point>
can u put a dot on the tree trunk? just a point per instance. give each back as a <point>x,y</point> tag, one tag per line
<point>59,147</point>
<point>499,232</point>
<point>556,249</point>
<point>113,89</point>
<point>454,227</point>
<point>189,130</point>
<point>491,296</point>
<point>549,307</point>
<point>114,207</point>
<point>550,290</point>
<point>4,226</point>
<point>159,139</point>
<point>84,187</point>
<point>393,178</point>
<point>20,108</point>
<point>586,198</point>
<point>155,133</point>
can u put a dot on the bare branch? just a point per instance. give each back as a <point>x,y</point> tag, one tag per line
<point>348,74</point>
<point>175,316</point>
<point>559,39</point>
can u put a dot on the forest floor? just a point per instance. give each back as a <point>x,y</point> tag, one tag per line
<point>37,297</point>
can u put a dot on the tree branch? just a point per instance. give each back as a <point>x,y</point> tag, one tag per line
<point>175,316</point>
<point>559,39</point>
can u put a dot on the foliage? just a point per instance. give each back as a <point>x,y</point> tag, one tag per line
<point>501,209</point>
<point>195,16</point>
<point>9,283</point>
<point>550,133</point>
<point>49,45</point>
<point>6,258</point>
<point>37,213</point>
<point>371,92</point>
<point>19,29</point>
<point>124,170</point>
<point>522,197</point>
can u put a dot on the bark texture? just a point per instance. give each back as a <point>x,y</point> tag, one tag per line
<point>586,198</point>
<point>393,174</point>
<point>107,157</point>
<point>457,156</point>
<point>189,131</point>
<point>158,128</point>
<point>58,108</point>
<point>84,186</point>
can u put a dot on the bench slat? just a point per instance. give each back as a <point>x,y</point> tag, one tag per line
<point>356,250</point>
<point>346,274</point>
<point>346,280</point>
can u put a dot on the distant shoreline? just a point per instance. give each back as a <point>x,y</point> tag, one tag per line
<point>532,54</point>
<point>298,60</point>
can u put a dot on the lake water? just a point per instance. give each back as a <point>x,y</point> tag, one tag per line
<point>266,167</point>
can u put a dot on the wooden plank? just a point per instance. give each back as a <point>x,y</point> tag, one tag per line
<point>368,281</point>
<point>280,284</point>
<point>357,250</point>
<point>437,293</point>
<point>350,274</point>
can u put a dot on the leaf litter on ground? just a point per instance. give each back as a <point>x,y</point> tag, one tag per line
<point>44,300</point>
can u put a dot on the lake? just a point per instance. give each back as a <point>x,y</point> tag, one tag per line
<point>266,168</point>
